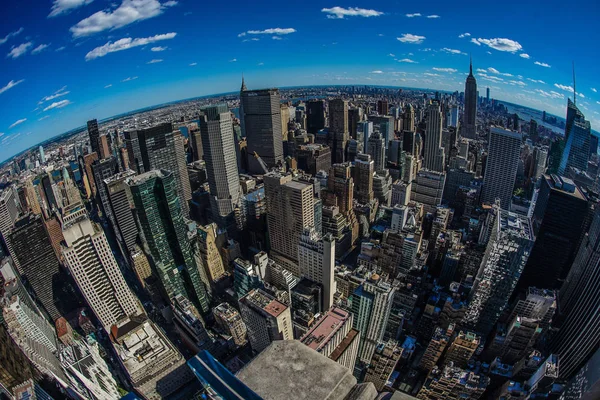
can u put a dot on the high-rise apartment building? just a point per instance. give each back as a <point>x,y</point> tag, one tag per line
<point>94,135</point>
<point>230,322</point>
<point>290,209</point>
<point>469,120</point>
<point>161,221</point>
<point>435,348</point>
<point>92,264</point>
<point>434,158</point>
<point>505,257</point>
<point>316,261</point>
<point>216,130</point>
<point>558,219</point>
<point>577,141</point>
<point>428,189</point>
<point>364,169</point>
<point>579,306</point>
<point>266,319</point>
<point>261,116</point>
<point>462,348</point>
<point>504,149</point>
<point>382,363</point>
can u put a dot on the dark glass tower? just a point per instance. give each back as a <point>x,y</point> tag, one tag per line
<point>94,134</point>
<point>315,116</point>
<point>578,133</point>
<point>470,112</point>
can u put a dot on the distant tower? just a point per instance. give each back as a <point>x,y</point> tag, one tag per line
<point>470,112</point>
<point>434,152</point>
<point>376,149</point>
<point>487,96</point>
<point>577,140</point>
<point>94,135</point>
<point>408,118</point>
<point>338,128</point>
<point>364,168</point>
<point>42,155</point>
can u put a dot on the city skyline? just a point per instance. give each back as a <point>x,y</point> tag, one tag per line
<point>139,53</point>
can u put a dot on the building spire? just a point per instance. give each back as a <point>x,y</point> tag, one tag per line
<point>470,65</point>
<point>574,86</point>
<point>243,84</point>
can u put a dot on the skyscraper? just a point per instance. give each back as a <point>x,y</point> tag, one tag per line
<point>261,114</point>
<point>315,116</point>
<point>92,264</point>
<point>505,257</point>
<point>121,204</point>
<point>376,149</point>
<point>316,261</point>
<point>266,319</point>
<point>452,382</point>
<point>504,150</point>
<point>104,169</point>
<point>408,118</point>
<point>216,131</point>
<point>161,221</point>
<point>487,96</point>
<point>383,363</point>
<point>290,209</point>
<point>469,122</point>
<point>338,129</point>
<point>42,155</point>
<point>94,135</point>
<point>364,168</point>
<point>230,321</point>
<point>577,141</point>
<point>558,220</point>
<point>434,159</point>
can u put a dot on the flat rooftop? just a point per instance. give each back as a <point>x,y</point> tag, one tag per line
<point>325,328</point>
<point>267,303</point>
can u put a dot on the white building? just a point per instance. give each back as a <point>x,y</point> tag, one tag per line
<point>434,152</point>
<point>316,259</point>
<point>93,265</point>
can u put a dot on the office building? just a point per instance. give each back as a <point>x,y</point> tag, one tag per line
<point>382,107</point>
<point>8,215</point>
<point>42,155</point>
<point>32,248</point>
<point>229,321</point>
<point>371,305</point>
<point>121,206</point>
<point>428,189</point>
<point>383,363</point>
<point>469,120</point>
<point>141,266</point>
<point>261,116</point>
<point>290,209</point>
<point>450,382</point>
<point>266,319</point>
<point>385,125</point>
<point>15,367</point>
<point>338,129</point>
<point>94,268</point>
<point>579,306</point>
<point>364,169</point>
<point>462,348</point>
<point>159,213</point>
<point>313,158</point>
<point>376,149</point>
<point>536,304</point>
<point>440,339</point>
<point>94,136</point>
<point>104,169</point>
<point>207,253</point>
<point>558,219</point>
<point>504,149</point>
<point>505,257</point>
<point>434,158</point>
<point>315,116</point>
<point>216,131</point>
<point>455,178</point>
<point>246,277</point>
<point>152,364</point>
<point>364,130</point>
<point>585,385</point>
<point>577,141</point>
<point>316,261</point>
<point>408,118</point>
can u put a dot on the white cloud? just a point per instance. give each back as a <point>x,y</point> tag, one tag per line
<point>108,86</point>
<point>581,95</point>
<point>413,15</point>
<point>126,43</point>
<point>276,37</point>
<point>541,64</point>
<point>193,64</point>
<point>496,72</point>
<point>564,87</point>
<point>43,118</point>
<point>17,122</point>
<point>552,94</point>
<point>410,38</point>
<point>65,6</point>
<point>377,72</point>
<point>250,40</point>
<point>391,55</point>
<point>594,90</point>
<point>11,85</point>
<point>407,60</point>
<point>500,44</point>
<point>449,70</point>
<point>430,74</point>
<point>341,12</point>
<point>129,78</point>
<point>159,48</point>
<point>127,13</point>
<point>260,64</point>
<point>270,31</point>
<point>490,78</point>
<point>433,16</point>
<point>453,51</point>
<point>59,93</point>
<point>10,35</point>
<point>40,48</point>
<point>233,60</point>
<point>536,81</point>
<point>525,55</point>
<point>464,35</point>
<point>518,83</point>
<point>155,61</point>
<point>61,48</point>
<point>58,104</point>
<point>19,50</point>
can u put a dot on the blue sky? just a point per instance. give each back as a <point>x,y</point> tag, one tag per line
<point>66,61</point>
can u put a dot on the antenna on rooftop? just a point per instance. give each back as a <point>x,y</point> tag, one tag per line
<point>574,86</point>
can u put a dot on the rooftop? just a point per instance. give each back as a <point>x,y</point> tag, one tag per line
<point>265,302</point>
<point>325,328</point>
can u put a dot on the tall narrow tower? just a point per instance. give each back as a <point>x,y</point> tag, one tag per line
<point>434,152</point>
<point>470,112</point>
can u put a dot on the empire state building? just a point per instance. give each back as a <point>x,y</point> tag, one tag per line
<point>470,111</point>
